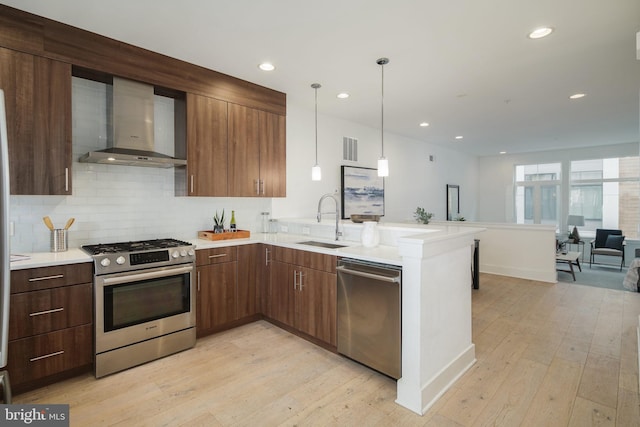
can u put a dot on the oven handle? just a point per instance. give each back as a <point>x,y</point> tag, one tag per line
<point>144,276</point>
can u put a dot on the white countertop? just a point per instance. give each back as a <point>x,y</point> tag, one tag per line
<point>48,259</point>
<point>383,253</point>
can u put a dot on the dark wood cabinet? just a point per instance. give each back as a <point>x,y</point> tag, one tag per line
<point>216,296</point>
<point>50,324</point>
<point>249,276</point>
<point>257,153</point>
<point>216,276</point>
<point>273,154</point>
<point>281,293</point>
<point>38,103</point>
<point>302,292</point>
<point>315,304</point>
<point>39,312</point>
<point>206,146</point>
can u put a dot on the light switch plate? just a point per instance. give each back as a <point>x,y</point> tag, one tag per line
<point>306,230</point>
<point>284,229</point>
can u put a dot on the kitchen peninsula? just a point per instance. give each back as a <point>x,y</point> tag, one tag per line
<point>436,294</point>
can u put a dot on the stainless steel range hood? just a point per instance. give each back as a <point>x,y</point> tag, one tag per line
<point>133,139</point>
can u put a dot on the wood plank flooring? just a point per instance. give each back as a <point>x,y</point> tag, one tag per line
<point>548,355</point>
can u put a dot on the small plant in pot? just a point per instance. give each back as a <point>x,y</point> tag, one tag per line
<point>422,216</point>
<point>218,222</point>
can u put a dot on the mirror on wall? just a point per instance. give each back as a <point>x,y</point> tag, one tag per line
<point>453,201</point>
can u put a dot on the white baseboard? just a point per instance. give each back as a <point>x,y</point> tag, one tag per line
<point>520,272</point>
<point>444,379</point>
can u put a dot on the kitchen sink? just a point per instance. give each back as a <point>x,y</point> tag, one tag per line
<point>322,244</point>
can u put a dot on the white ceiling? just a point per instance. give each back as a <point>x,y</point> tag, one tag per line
<point>465,66</point>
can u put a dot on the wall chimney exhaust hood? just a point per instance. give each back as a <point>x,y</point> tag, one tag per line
<point>133,139</point>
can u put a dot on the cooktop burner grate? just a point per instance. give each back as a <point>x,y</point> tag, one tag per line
<point>142,245</point>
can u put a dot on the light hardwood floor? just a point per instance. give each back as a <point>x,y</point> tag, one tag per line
<point>548,355</point>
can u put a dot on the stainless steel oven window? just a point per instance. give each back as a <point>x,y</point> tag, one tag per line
<point>134,303</point>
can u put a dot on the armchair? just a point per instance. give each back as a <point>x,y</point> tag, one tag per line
<point>607,242</point>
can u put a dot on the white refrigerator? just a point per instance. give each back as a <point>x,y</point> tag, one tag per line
<point>4,252</point>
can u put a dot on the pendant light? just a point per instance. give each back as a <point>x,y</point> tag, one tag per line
<point>383,163</point>
<point>316,172</point>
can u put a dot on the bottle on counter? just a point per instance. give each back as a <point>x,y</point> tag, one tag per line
<point>232,224</point>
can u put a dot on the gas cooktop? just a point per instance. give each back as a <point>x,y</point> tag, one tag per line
<point>125,247</point>
<point>144,254</point>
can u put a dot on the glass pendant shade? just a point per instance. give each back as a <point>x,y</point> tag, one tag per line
<point>383,163</point>
<point>316,173</point>
<point>383,166</point>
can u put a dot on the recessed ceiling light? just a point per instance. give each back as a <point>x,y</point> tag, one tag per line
<point>541,32</point>
<point>577,96</point>
<point>266,66</point>
<point>343,95</point>
<point>503,152</point>
<point>424,124</point>
<point>459,137</point>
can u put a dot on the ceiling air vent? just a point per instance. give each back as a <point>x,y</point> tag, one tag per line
<point>349,149</point>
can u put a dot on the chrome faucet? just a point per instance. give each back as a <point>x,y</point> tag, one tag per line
<point>337,212</point>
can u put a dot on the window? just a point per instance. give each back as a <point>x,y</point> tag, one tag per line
<point>606,192</point>
<point>537,193</point>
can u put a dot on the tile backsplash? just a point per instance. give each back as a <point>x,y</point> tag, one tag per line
<point>120,203</point>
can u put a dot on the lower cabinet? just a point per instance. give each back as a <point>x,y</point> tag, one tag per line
<point>216,296</point>
<point>227,283</point>
<point>50,324</point>
<point>303,297</point>
<point>48,354</point>
<point>216,276</point>
<point>239,283</point>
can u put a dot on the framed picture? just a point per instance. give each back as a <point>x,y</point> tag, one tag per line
<point>362,192</point>
<point>453,201</point>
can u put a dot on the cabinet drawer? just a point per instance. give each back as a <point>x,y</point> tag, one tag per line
<point>43,355</point>
<point>216,255</point>
<point>34,279</point>
<point>313,260</point>
<point>38,312</point>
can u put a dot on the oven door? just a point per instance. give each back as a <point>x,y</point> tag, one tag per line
<point>136,306</point>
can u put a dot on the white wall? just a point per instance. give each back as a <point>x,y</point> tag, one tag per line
<point>413,180</point>
<point>495,175</point>
<point>122,203</point>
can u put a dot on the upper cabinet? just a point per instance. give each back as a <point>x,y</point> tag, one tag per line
<point>257,153</point>
<point>38,102</point>
<point>233,131</point>
<point>206,146</point>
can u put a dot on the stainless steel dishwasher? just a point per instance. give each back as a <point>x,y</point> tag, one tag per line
<point>369,314</point>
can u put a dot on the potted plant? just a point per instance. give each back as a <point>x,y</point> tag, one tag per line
<point>422,216</point>
<point>218,222</point>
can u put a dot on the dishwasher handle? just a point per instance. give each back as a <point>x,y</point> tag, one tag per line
<point>394,279</point>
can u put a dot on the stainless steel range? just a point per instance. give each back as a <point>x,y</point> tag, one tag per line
<point>144,302</point>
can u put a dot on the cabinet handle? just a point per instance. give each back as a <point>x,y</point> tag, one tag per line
<point>57,353</point>
<point>66,180</point>
<point>37,279</point>
<point>191,191</point>
<point>295,279</point>
<point>257,181</point>
<point>40,313</point>
<point>267,254</point>
<point>300,283</point>
<point>198,281</point>
<point>217,256</point>
<point>262,183</point>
